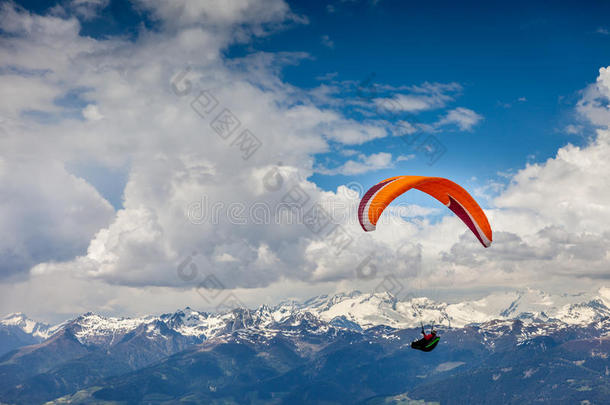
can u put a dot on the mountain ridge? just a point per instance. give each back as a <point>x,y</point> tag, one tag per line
<point>342,348</point>
<point>353,309</point>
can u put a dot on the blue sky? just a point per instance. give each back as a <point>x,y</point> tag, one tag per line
<point>109,160</point>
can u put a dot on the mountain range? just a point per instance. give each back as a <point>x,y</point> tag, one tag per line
<point>510,347</point>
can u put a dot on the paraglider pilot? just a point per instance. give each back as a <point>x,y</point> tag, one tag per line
<point>428,342</point>
<point>428,336</point>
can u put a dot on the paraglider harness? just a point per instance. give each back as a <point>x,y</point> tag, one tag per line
<point>428,342</point>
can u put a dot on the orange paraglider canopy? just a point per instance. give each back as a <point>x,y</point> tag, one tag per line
<point>378,197</point>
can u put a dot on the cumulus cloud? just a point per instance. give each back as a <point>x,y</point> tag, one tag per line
<point>46,215</point>
<point>185,120</point>
<point>595,104</point>
<point>566,190</point>
<point>143,108</point>
<point>551,221</point>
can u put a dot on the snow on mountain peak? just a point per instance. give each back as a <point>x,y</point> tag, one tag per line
<point>373,309</point>
<point>583,313</point>
<point>98,329</point>
<point>353,310</point>
<point>16,318</point>
<point>19,320</point>
<point>189,322</point>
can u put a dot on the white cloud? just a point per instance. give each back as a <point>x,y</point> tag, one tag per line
<point>550,223</point>
<point>327,76</point>
<point>181,13</point>
<point>464,118</point>
<point>18,93</point>
<point>348,152</point>
<point>603,31</point>
<point>428,96</point>
<point>573,129</point>
<point>404,158</point>
<point>595,104</point>
<point>566,190</point>
<point>407,103</point>
<point>175,157</point>
<point>46,214</point>
<point>364,164</point>
<point>327,42</point>
<point>87,9</point>
<point>354,133</point>
<point>92,113</point>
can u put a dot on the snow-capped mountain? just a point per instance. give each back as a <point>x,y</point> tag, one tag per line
<point>38,330</point>
<point>368,310</point>
<point>17,330</point>
<point>95,329</point>
<point>293,345</point>
<point>352,311</point>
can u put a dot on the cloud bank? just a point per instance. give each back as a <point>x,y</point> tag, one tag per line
<point>216,148</point>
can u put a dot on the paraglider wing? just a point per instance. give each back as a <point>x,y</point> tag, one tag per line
<point>378,197</point>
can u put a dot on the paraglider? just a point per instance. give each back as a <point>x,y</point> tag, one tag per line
<point>428,342</point>
<point>378,197</point>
